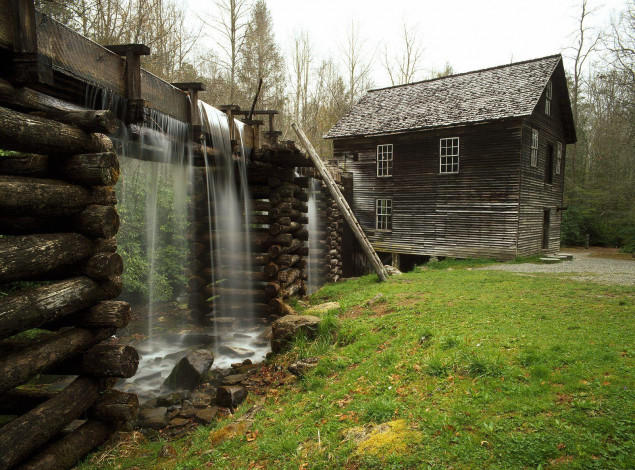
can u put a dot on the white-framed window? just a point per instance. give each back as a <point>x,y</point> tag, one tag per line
<point>534,147</point>
<point>383,214</point>
<point>558,158</point>
<point>548,97</point>
<point>449,155</point>
<point>384,160</point>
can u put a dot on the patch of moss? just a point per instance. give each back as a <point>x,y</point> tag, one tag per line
<point>386,439</point>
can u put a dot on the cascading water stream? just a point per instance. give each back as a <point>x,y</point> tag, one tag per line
<point>157,173</point>
<point>316,254</point>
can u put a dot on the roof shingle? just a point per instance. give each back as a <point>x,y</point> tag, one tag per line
<point>490,94</point>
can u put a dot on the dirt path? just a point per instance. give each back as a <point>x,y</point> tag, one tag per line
<point>600,265</point>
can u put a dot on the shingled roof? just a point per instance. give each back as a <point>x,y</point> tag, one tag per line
<point>507,91</point>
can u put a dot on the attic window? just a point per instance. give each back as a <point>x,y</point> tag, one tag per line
<point>534,147</point>
<point>384,160</point>
<point>548,97</point>
<point>558,158</point>
<point>449,155</point>
<point>383,214</point>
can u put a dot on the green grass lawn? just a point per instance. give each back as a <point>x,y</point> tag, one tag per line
<point>486,369</point>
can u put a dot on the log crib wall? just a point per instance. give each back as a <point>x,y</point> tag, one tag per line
<point>58,221</point>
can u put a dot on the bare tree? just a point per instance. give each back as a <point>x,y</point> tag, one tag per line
<point>621,42</point>
<point>356,65</point>
<point>301,59</point>
<point>231,24</point>
<point>404,66</point>
<point>586,43</point>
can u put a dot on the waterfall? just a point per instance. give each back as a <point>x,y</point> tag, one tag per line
<point>156,210</point>
<point>316,251</point>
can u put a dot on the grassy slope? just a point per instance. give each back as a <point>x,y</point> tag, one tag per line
<point>490,369</point>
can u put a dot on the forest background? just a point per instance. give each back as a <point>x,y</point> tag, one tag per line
<point>315,89</point>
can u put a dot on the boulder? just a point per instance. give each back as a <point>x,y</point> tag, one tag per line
<point>286,328</point>
<point>323,308</point>
<point>230,396</point>
<point>189,371</point>
<point>206,415</point>
<point>392,271</point>
<point>153,418</point>
<point>234,379</point>
<point>301,367</point>
<point>174,398</point>
<point>236,352</point>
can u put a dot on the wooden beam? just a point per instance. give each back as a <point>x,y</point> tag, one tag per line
<point>346,210</point>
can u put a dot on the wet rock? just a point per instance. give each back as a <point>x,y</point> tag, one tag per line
<point>323,308</point>
<point>302,366</point>
<point>260,343</point>
<point>153,418</point>
<point>179,422</point>
<point>284,329</point>
<point>201,399</point>
<point>230,396</point>
<point>234,351</point>
<point>234,379</point>
<point>189,371</point>
<point>177,355</point>
<point>206,415</point>
<point>174,398</point>
<point>244,368</point>
<point>241,335</point>
<point>151,403</point>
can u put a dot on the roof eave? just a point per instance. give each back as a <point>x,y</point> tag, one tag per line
<point>428,128</point>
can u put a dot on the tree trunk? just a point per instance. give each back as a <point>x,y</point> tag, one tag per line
<point>288,277</point>
<point>17,367</point>
<point>68,451</point>
<point>106,314</point>
<point>102,121</point>
<point>34,256</point>
<point>41,197</point>
<point>37,306</point>
<point>94,221</point>
<point>27,133</point>
<point>106,359</point>
<point>23,435</point>
<point>115,407</point>
<point>104,266</point>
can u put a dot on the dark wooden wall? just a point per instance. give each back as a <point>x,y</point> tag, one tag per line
<point>535,194</point>
<point>470,214</point>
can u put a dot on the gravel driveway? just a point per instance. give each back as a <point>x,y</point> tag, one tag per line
<point>584,267</point>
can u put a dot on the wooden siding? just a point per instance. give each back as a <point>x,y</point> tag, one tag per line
<point>535,194</point>
<point>470,214</point>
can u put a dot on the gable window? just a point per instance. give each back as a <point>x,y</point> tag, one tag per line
<point>383,214</point>
<point>534,147</point>
<point>548,97</point>
<point>558,158</point>
<point>384,160</point>
<point>449,155</point>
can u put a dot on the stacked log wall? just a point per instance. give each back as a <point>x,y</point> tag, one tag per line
<point>58,220</point>
<point>282,197</point>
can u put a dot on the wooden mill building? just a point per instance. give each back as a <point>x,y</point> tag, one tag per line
<point>469,165</point>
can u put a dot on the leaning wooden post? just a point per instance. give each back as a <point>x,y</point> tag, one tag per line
<point>342,204</point>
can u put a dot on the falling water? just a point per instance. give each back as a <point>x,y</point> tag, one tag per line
<point>229,209</point>
<point>316,252</point>
<point>156,173</point>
